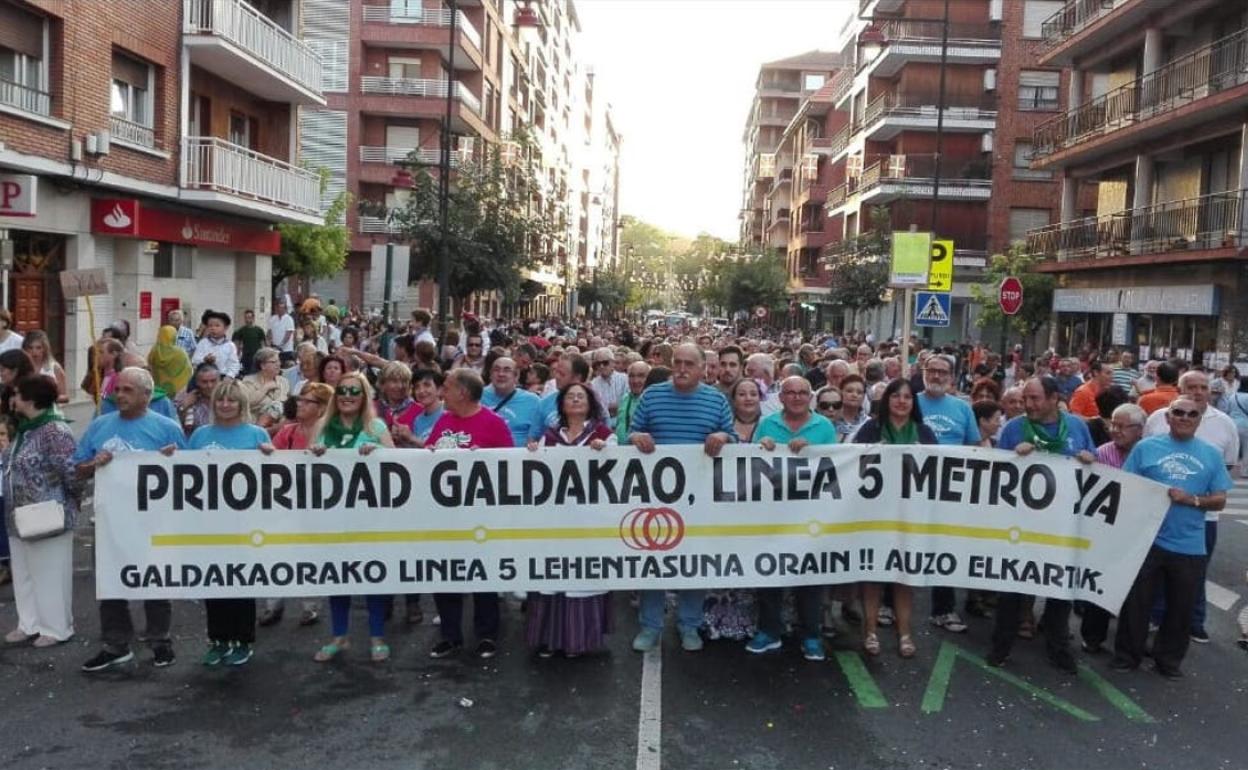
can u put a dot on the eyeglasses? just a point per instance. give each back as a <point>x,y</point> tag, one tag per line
<point>802,393</point>
<point>1185,413</point>
<point>829,406</point>
<point>940,372</point>
<point>349,390</point>
<point>602,363</point>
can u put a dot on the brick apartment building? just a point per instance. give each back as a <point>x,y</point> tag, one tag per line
<point>867,139</point>
<point>1156,119</point>
<point>387,68</point>
<point>154,140</point>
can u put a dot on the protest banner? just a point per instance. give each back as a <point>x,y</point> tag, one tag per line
<point>237,524</point>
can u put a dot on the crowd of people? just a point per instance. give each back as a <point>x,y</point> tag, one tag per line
<point>329,380</point>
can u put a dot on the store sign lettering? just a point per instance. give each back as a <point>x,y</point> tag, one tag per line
<point>130,218</point>
<point>17,195</point>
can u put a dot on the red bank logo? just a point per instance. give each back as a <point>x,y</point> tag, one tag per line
<point>652,529</point>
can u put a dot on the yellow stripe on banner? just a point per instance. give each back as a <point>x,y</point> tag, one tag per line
<point>480,534</point>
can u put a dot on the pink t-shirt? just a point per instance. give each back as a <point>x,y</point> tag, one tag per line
<point>483,430</point>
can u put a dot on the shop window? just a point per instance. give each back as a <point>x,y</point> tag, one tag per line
<point>172,261</point>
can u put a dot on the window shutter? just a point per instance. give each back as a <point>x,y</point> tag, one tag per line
<point>21,31</point>
<point>129,70</point>
<point>1039,79</point>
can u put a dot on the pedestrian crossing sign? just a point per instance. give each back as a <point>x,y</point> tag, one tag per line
<point>932,308</point>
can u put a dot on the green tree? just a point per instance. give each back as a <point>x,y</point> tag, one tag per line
<point>748,282</point>
<point>859,271</point>
<point>314,251</point>
<point>640,239</point>
<point>1037,292</point>
<point>609,289</point>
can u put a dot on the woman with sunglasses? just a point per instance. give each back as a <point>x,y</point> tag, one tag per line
<point>898,420</point>
<point>351,422</point>
<point>828,402</point>
<point>231,622</point>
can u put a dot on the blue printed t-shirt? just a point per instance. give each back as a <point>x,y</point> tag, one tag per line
<point>116,435</point>
<point>672,417</point>
<point>950,418</point>
<point>817,430</point>
<point>1194,466</point>
<point>162,405</point>
<point>520,412</point>
<point>1078,438</point>
<point>423,425</point>
<point>244,436</point>
<point>547,416</point>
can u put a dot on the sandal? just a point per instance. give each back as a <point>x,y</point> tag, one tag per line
<point>1026,630</point>
<point>871,644</point>
<point>18,636</point>
<point>905,646</point>
<point>331,651</point>
<point>380,652</point>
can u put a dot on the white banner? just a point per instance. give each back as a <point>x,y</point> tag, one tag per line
<point>237,524</point>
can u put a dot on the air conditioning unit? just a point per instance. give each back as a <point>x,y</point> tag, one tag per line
<point>990,79</point>
<point>985,142</point>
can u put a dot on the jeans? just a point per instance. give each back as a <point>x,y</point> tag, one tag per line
<point>1200,607</point>
<point>231,620</point>
<point>688,609</point>
<point>1176,575</point>
<point>117,629</point>
<point>340,614</point>
<point>944,600</point>
<point>1056,622</point>
<point>809,610</point>
<point>485,616</point>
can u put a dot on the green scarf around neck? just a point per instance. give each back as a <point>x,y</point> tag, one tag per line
<point>337,436</point>
<point>907,434</point>
<point>27,424</point>
<point>1034,433</point>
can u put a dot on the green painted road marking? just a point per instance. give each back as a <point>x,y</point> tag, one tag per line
<point>1117,698</point>
<point>860,681</point>
<point>938,684</point>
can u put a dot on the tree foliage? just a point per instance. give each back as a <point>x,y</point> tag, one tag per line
<point>1037,292</point>
<point>609,289</point>
<point>314,251</point>
<point>748,282</point>
<point>859,274</point>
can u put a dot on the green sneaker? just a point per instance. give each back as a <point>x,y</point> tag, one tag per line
<point>238,655</point>
<point>215,654</point>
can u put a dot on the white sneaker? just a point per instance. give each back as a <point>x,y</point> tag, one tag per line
<point>951,622</point>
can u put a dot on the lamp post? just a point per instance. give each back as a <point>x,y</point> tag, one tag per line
<point>444,185</point>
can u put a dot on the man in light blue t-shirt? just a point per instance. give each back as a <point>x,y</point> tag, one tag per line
<point>571,368</point>
<point>1195,472</point>
<point>953,421</point>
<point>505,397</point>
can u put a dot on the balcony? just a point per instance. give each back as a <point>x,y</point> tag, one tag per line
<point>423,28</point>
<point>898,176</point>
<point>836,198</point>
<point>919,41</point>
<point>890,114</point>
<point>129,132</point>
<point>421,98</point>
<point>785,177</point>
<point>1073,17</point>
<point>25,98</point>
<point>810,237</point>
<point>1194,89</point>
<point>811,192</point>
<point>842,84</point>
<point>219,175</point>
<point>234,41</point>
<point>1195,226</point>
<point>1087,29</point>
<point>377,226</point>
<point>781,216</point>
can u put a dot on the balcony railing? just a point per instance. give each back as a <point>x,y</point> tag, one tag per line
<point>431,17</point>
<point>841,83</point>
<point>424,156</point>
<point>435,89</point>
<point>1208,222</point>
<point>953,172</point>
<point>1196,75</point>
<point>920,105</point>
<point>378,225</point>
<point>25,98</point>
<point>129,131</point>
<point>909,29</point>
<point>256,34</point>
<point>836,196</point>
<point>217,165</point>
<point>1072,17</point>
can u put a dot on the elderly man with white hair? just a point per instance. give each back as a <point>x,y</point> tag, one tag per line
<point>1217,428</point>
<point>761,367</point>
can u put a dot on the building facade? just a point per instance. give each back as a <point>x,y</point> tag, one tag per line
<point>1156,120</point>
<point>158,142</point>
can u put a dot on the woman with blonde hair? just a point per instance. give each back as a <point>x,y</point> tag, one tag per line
<point>170,365</point>
<point>36,345</point>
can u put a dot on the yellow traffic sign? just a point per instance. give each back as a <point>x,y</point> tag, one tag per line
<point>940,276</point>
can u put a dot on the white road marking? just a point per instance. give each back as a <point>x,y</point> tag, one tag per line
<point>1222,598</point>
<point>650,719</point>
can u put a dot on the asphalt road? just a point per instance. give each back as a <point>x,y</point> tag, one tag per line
<point>709,711</point>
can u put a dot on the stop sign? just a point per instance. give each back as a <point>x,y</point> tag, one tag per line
<point>1010,297</point>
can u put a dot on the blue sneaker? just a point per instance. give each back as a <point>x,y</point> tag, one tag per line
<point>812,649</point>
<point>647,639</point>
<point>762,642</point>
<point>238,655</point>
<point>690,640</point>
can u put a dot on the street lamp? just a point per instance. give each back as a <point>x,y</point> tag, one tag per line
<point>444,184</point>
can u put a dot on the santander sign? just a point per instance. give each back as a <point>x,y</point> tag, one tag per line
<point>131,218</point>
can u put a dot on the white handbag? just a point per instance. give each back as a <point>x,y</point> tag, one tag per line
<point>39,520</point>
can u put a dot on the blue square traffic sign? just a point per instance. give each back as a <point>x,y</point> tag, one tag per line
<point>932,308</point>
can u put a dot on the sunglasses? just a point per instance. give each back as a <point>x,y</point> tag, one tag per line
<point>349,390</point>
<point>829,405</point>
<point>1185,414</point>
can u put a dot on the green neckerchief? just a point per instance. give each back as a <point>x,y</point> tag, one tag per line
<point>26,425</point>
<point>907,435</point>
<point>337,436</point>
<point>1034,433</point>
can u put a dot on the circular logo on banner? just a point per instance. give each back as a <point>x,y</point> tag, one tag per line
<point>652,529</point>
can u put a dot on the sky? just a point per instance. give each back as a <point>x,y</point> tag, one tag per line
<point>680,75</point>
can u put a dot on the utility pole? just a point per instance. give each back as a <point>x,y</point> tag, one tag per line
<point>444,187</point>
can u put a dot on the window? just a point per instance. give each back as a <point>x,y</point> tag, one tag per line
<point>172,261</point>
<point>131,97</point>
<point>1022,220</point>
<point>1037,90</point>
<point>23,78</point>
<point>1036,13</point>
<point>1022,162</point>
<point>813,82</point>
<point>243,130</point>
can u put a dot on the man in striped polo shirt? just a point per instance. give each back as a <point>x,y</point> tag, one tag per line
<point>683,410</point>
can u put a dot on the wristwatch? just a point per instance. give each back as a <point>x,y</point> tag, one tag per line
<point>1196,501</point>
